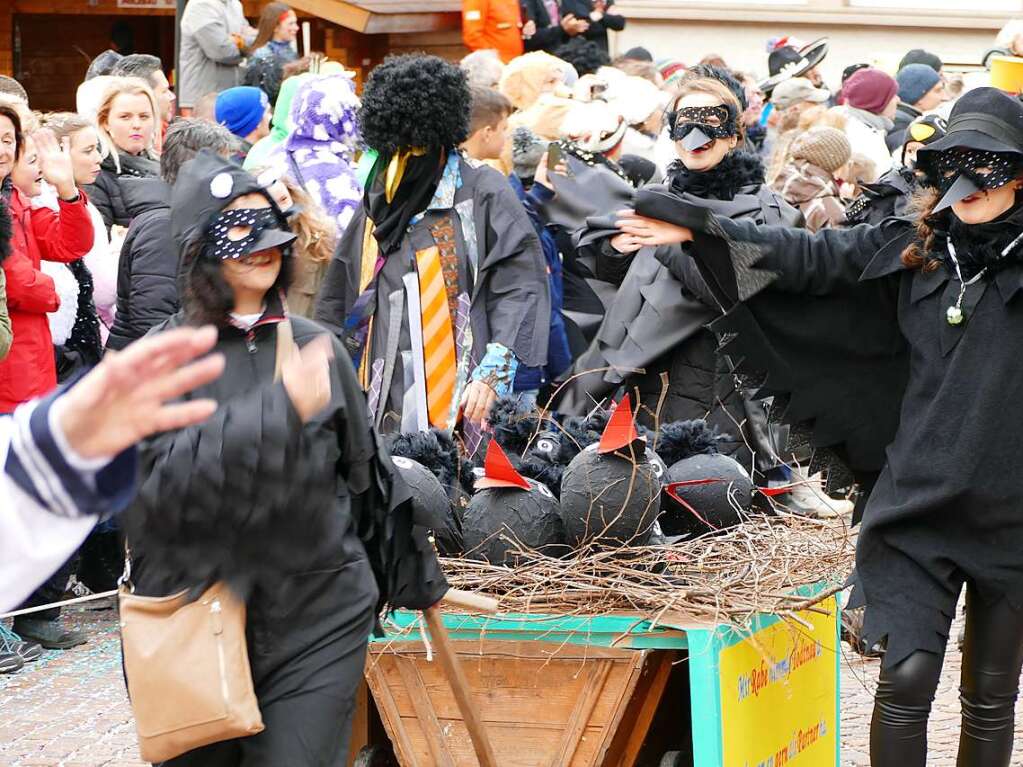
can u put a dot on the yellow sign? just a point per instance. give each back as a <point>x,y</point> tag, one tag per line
<point>779,693</point>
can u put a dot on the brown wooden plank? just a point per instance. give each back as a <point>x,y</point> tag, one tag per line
<point>360,722</point>
<point>427,717</point>
<point>388,711</point>
<point>349,15</point>
<point>631,730</point>
<point>599,672</point>
<point>536,692</point>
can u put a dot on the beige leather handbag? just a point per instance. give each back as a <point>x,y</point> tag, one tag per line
<point>187,666</point>
<point>187,663</point>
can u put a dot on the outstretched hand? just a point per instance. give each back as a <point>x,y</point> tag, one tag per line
<point>55,162</point>
<point>651,231</point>
<point>128,396</point>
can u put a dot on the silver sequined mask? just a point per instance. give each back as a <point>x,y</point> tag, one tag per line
<point>715,122</point>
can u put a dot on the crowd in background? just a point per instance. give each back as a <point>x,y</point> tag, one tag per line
<point>95,264</point>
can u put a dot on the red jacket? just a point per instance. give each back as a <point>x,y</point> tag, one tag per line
<point>29,369</point>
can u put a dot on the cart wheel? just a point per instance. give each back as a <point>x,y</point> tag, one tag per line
<point>671,759</point>
<point>373,756</point>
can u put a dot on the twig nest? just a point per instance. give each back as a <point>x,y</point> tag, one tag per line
<point>714,494</point>
<point>431,506</point>
<point>610,499</point>
<point>502,520</point>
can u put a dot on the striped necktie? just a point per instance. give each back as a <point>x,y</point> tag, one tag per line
<point>438,337</point>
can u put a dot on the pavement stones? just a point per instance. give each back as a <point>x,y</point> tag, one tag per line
<point>69,709</point>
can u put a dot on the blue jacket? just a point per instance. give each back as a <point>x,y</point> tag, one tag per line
<point>559,357</point>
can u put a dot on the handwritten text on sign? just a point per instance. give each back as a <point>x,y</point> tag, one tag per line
<point>778,695</point>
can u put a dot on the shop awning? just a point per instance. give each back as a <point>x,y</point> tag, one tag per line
<point>386,16</point>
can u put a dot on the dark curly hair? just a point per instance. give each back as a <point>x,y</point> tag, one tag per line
<point>415,100</point>
<point>723,76</point>
<point>585,55</point>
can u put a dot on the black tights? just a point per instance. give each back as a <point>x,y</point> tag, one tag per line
<point>992,658</point>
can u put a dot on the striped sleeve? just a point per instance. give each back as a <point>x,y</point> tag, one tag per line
<point>41,465</point>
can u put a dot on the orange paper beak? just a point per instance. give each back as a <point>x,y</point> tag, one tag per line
<point>498,470</point>
<point>620,431</point>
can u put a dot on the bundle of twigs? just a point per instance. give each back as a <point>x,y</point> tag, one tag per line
<point>727,577</point>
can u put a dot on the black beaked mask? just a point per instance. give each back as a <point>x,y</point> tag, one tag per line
<point>714,122</point>
<point>236,233</point>
<point>999,168</point>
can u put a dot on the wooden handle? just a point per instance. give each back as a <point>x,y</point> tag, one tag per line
<point>469,600</point>
<point>460,688</point>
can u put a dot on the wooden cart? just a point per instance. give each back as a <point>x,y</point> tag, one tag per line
<point>612,691</point>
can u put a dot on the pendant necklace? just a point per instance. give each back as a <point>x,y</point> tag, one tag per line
<point>954,314</point>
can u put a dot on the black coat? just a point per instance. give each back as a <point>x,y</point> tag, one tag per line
<point>657,324</point>
<point>548,36</point>
<point>108,192</point>
<point>890,196</point>
<point>597,32</point>
<point>147,287</point>
<point>862,348</point>
<point>255,498</point>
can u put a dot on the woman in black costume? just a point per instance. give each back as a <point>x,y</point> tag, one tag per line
<point>898,346</point>
<point>656,323</point>
<point>284,494</point>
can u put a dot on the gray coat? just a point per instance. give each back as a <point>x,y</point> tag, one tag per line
<point>210,59</point>
<point>501,269</point>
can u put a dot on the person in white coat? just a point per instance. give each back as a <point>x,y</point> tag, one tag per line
<point>68,459</point>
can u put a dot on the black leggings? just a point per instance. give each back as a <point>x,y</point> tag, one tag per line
<point>992,658</point>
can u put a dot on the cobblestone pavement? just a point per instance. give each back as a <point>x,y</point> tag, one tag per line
<point>69,709</point>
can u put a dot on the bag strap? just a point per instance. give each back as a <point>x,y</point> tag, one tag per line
<point>286,346</point>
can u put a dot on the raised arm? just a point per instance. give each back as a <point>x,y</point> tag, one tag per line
<point>740,258</point>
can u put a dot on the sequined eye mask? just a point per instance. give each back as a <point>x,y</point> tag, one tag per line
<point>970,162</point>
<point>233,232</point>
<point>716,122</point>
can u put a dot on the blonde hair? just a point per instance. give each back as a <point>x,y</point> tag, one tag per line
<point>65,124</point>
<point>130,86</point>
<point>693,83</point>
<point>316,231</point>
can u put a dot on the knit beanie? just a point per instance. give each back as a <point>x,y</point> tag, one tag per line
<point>870,90</point>
<point>914,81</point>
<point>920,56</point>
<point>827,148</point>
<point>241,109</point>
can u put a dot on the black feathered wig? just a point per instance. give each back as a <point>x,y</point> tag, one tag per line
<point>415,101</point>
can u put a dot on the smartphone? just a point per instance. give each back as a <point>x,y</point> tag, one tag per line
<point>554,156</point>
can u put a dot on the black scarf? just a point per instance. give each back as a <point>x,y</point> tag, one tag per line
<point>980,246</point>
<point>738,172</point>
<point>417,187</point>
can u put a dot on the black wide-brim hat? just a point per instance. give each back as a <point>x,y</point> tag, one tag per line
<point>786,63</point>
<point>985,119</point>
<point>205,186</point>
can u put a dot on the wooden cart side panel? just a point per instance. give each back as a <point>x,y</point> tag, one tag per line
<point>425,714</point>
<point>576,725</point>
<point>542,704</point>
<point>631,729</point>
<point>396,732</point>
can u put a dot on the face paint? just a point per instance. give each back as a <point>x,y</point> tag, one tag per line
<point>233,233</point>
<point>714,122</point>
